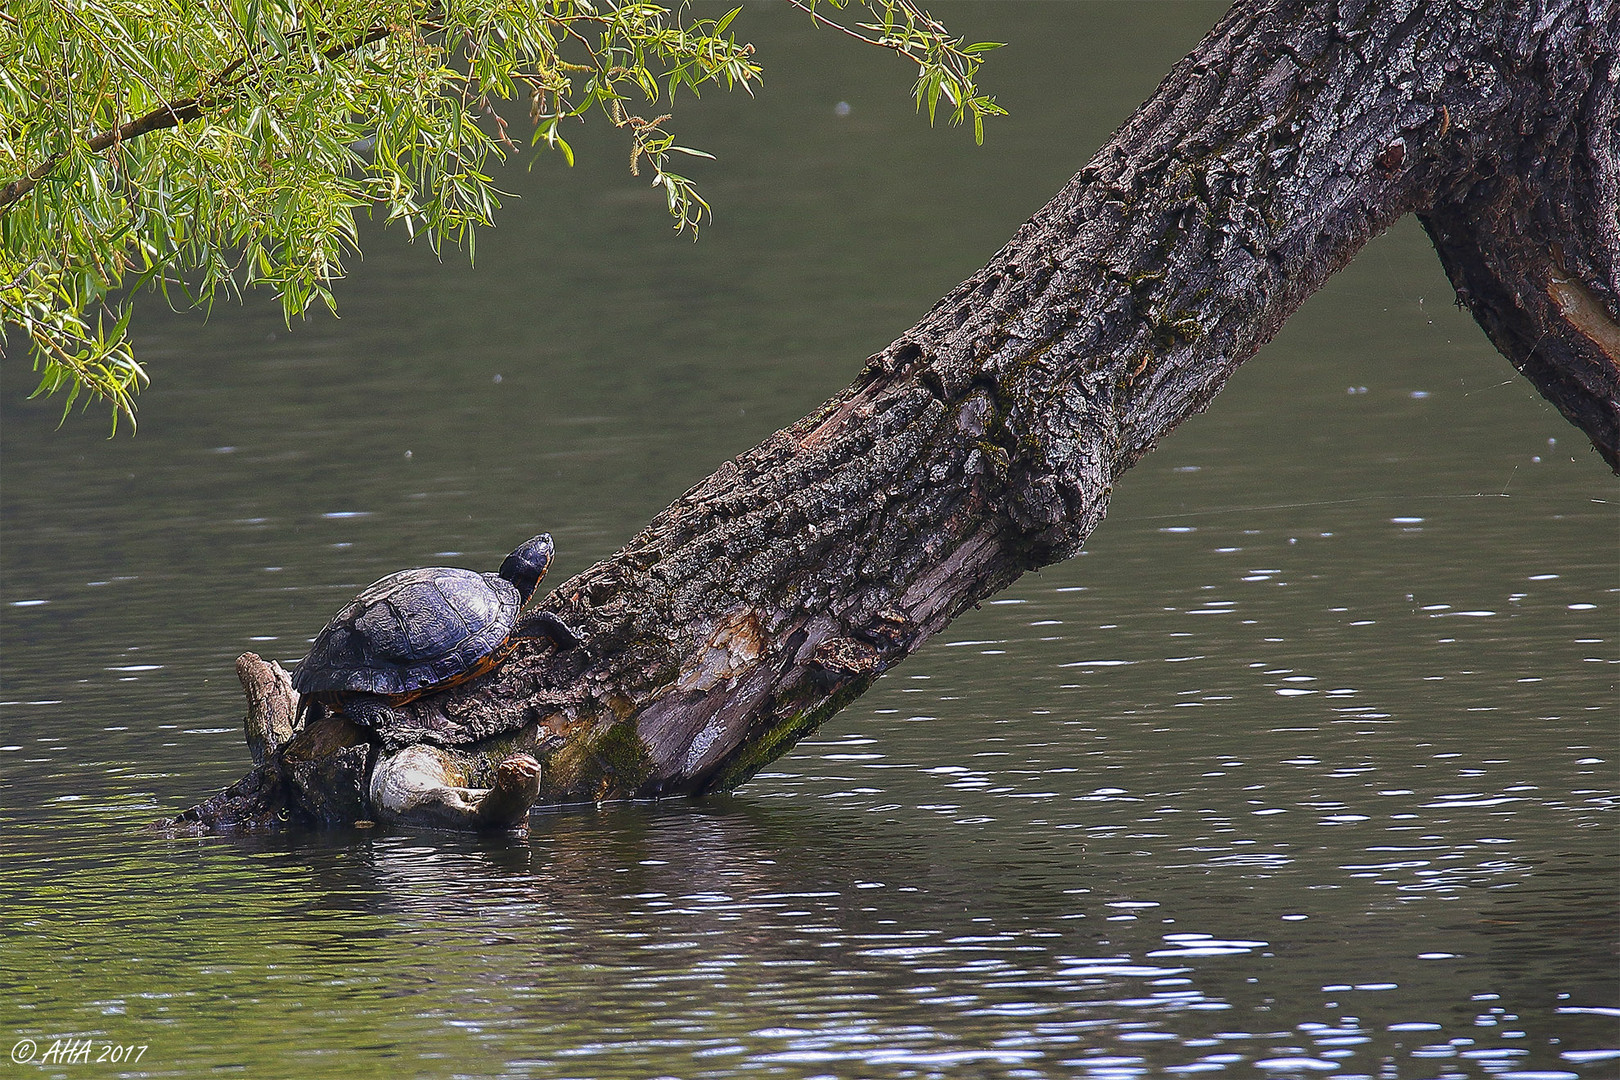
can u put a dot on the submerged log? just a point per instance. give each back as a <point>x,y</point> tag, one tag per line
<point>985,441</point>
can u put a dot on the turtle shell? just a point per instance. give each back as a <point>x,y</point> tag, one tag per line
<point>411,633</point>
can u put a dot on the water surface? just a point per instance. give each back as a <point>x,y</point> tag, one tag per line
<point>1305,768</point>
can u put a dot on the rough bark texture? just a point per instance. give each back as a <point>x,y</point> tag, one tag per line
<point>985,441</point>
<point>1532,244</point>
<point>271,718</point>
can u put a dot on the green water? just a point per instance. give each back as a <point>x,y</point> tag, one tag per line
<point>1305,768</point>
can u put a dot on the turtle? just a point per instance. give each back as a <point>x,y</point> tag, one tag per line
<point>419,631</point>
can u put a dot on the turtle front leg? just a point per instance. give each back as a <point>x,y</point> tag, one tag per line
<point>547,625</point>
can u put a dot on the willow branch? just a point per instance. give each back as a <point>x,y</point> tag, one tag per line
<point>170,114</point>
<point>833,24</point>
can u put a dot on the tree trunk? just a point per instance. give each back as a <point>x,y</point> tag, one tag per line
<point>985,441</point>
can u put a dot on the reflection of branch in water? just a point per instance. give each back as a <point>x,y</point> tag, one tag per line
<point>631,861</point>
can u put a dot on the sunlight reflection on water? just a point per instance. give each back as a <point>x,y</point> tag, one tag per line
<point>1305,767</point>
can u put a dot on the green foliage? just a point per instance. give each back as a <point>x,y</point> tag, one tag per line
<point>945,67</point>
<point>207,146</point>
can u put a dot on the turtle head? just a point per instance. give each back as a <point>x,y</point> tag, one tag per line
<point>528,564</point>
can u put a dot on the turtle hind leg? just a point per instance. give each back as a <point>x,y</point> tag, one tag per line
<point>309,710</point>
<point>376,714</point>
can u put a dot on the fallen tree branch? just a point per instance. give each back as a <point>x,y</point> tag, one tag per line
<point>985,441</point>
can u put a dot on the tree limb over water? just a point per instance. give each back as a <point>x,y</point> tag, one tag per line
<point>985,441</point>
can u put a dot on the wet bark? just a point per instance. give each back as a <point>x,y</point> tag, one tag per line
<point>985,441</point>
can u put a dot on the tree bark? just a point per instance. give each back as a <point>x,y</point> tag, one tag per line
<point>1531,245</point>
<point>985,441</point>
